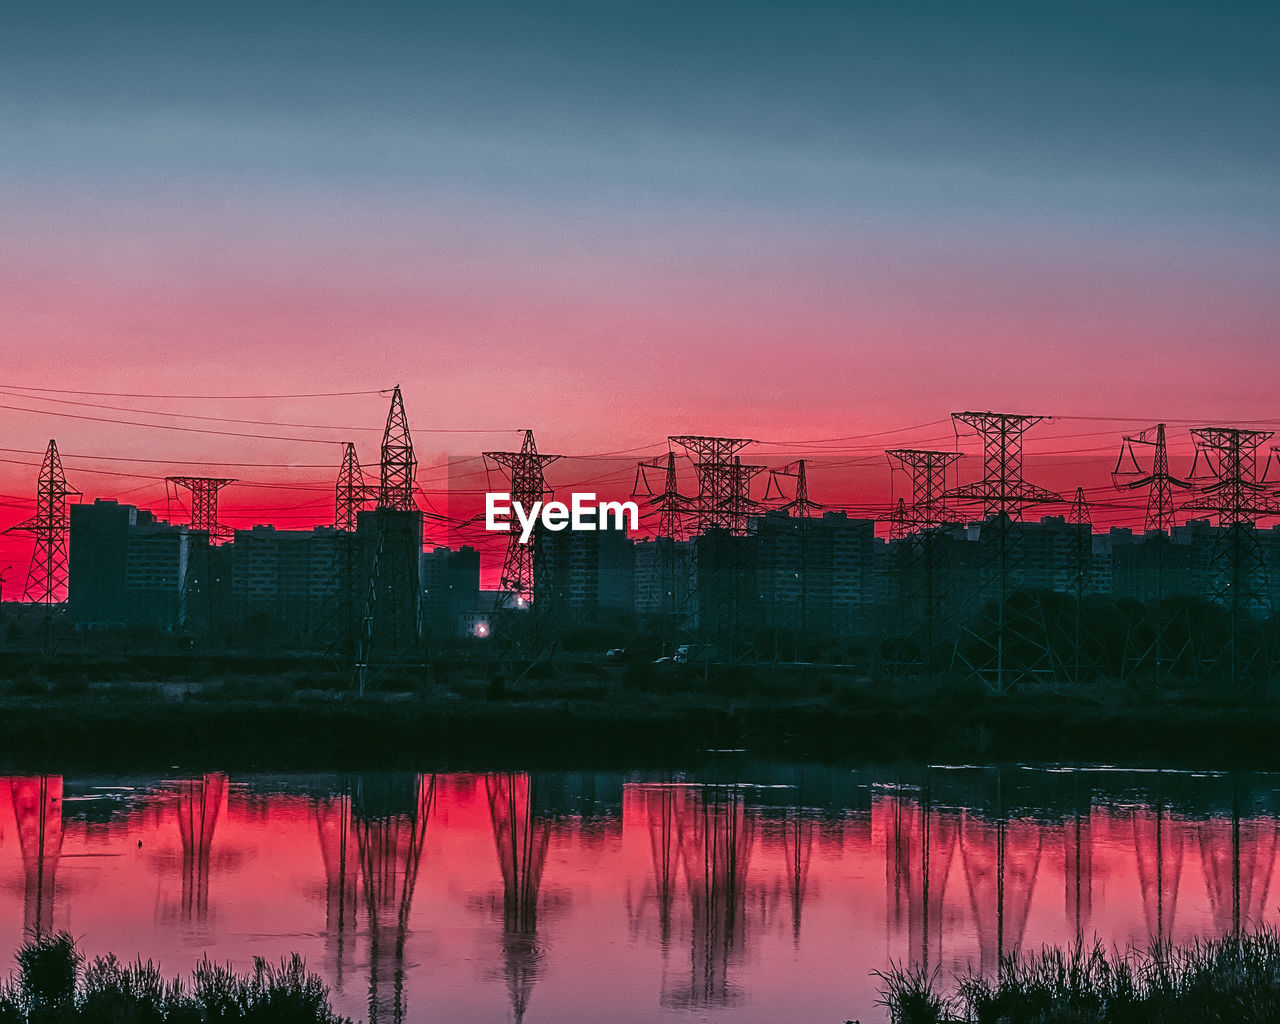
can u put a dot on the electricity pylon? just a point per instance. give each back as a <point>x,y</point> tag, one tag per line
<point>917,532</point>
<point>1148,638</point>
<point>1019,648</point>
<point>673,569</point>
<point>723,565</point>
<point>47,575</point>
<point>1230,487</point>
<point>521,567</point>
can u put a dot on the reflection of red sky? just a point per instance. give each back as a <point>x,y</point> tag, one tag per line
<point>600,926</point>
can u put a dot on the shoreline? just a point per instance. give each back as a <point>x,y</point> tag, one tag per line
<point>270,724</point>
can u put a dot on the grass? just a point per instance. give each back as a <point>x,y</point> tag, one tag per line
<point>55,985</point>
<point>1232,979</point>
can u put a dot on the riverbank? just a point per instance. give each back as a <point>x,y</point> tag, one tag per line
<point>1234,978</point>
<point>611,719</point>
<point>54,984</point>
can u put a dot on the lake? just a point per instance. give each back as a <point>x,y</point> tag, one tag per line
<point>734,890</point>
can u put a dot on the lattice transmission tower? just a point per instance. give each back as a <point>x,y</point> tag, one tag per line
<point>391,632</point>
<point>522,624</point>
<point>801,511</point>
<point>1230,487</point>
<point>204,502</point>
<point>399,466</point>
<point>1015,645</point>
<point>47,575</point>
<point>723,566</point>
<point>202,534</point>
<point>351,494</point>
<point>1153,643</point>
<point>1080,524</point>
<point>917,531</point>
<point>526,471</point>
<point>673,565</point>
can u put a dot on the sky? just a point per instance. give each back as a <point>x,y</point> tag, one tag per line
<point>612,222</point>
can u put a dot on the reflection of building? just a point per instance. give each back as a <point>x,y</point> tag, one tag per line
<point>37,811</point>
<point>391,814</point>
<point>521,842</point>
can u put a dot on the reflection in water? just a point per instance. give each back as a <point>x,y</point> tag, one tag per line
<point>521,840</point>
<point>341,856</point>
<point>716,838</point>
<point>1158,848</point>
<point>768,894</point>
<point>390,824</point>
<point>37,811</point>
<point>797,839</point>
<point>200,804</point>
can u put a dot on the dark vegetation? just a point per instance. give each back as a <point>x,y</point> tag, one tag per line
<point>82,699</point>
<point>54,985</point>
<point>79,711</point>
<point>1233,979</point>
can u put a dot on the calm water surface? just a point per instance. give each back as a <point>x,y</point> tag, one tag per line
<point>743,892</point>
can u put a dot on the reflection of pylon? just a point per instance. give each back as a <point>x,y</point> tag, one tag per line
<point>1237,856</point>
<point>200,804</point>
<point>340,852</point>
<point>1001,862</point>
<point>662,804</point>
<point>37,810</point>
<point>919,844</point>
<point>717,837</point>
<point>1077,865</point>
<point>1020,646</point>
<point>1231,488</point>
<point>47,577</point>
<point>797,842</point>
<point>1147,642</point>
<point>920,555</point>
<point>390,835</point>
<point>1157,844</point>
<point>521,841</point>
